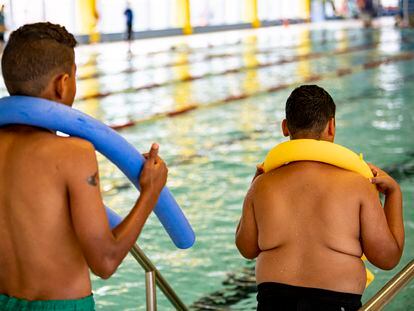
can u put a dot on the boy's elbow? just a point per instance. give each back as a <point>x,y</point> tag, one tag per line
<point>105,268</point>
<point>390,263</point>
<point>103,274</point>
<point>387,265</point>
<point>387,260</point>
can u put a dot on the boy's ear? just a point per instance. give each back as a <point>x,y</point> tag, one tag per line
<point>331,127</point>
<point>60,84</point>
<point>285,129</point>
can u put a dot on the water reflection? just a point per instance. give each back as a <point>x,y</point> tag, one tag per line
<point>303,68</point>
<point>182,97</point>
<point>90,86</point>
<point>251,82</point>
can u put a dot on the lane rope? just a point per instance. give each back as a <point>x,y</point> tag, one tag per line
<point>282,61</point>
<point>340,72</point>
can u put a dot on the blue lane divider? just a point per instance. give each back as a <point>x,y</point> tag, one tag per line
<point>58,117</point>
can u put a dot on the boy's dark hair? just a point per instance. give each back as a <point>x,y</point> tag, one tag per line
<point>308,109</point>
<point>33,54</point>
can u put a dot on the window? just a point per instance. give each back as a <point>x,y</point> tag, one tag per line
<point>281,9</point>
<point>216,12</point>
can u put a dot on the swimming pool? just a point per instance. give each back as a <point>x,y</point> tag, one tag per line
<point>212,150</point>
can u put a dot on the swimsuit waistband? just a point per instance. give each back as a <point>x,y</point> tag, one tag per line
<point>11,303</point>
<point>306,292</point>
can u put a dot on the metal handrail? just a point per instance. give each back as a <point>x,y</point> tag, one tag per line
<point>393,286</point>
<point>151,291</point>
<point>163,285</point>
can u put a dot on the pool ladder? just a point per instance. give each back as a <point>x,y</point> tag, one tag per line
<point>153,278</point>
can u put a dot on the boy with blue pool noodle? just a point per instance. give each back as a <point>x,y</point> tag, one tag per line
<point>308,223</point>
<point>53,224</point>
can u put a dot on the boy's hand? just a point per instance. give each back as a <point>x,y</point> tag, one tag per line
<point>154,174</point>
<point>384,182</point>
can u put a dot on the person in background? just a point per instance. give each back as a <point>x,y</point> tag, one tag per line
<point>410,9</point>
<point>405,7</point>
<point>368,12</point>
<point>129,15</point>
<point>2,25</point>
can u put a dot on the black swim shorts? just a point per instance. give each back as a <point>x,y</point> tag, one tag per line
<point>276,296</point>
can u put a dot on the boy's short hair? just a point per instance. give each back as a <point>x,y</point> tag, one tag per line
<point>308,109</point>
<point>33,54</point>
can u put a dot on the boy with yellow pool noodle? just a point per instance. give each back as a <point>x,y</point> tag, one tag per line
<point>308,219</point>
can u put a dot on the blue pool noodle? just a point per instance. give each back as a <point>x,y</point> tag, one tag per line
<point>58,117</point>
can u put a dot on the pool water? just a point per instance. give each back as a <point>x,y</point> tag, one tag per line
<point>212,150</point>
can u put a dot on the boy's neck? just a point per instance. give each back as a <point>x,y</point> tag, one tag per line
<point>54,99</point>
<point>313,136</point>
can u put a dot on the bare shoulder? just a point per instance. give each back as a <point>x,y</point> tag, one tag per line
<point>76,151</point>
<point>264,183</point>
<point>47,146</point>
<point>369,190</point>
<point>55,142</point>
<point>76,144</point>
<point>360,185</point>
<point>259,182</point>
<point>72,147</point>
<point>69,153</point>
<point>360,182</point>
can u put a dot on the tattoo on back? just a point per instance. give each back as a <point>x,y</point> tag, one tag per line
<point>93,180</point>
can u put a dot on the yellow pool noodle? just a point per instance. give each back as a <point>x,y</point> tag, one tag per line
<point>316,150</point>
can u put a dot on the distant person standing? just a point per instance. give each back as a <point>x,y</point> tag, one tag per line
<point>2,25</point>
<point>129,14</point>
<point>406,13</point>
<point>367,12</point>
<point>410,11</point>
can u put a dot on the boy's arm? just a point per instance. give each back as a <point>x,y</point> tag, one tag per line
<point>247,233</point>
<point>382,229</point>
<point>105,249</point>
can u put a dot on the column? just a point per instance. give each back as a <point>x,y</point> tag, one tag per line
<point>87,17</point>
<point>183,16</point>
<point>251,13</point>
<point>306,9</point>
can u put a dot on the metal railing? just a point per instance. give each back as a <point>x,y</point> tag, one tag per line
<point>152,278</point>
<point>399,281</point>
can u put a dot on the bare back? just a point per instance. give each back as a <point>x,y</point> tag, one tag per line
<point>307,216</point>
<point>40,257</point>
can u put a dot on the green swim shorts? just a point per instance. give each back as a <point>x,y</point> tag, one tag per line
<point>14,304</point>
